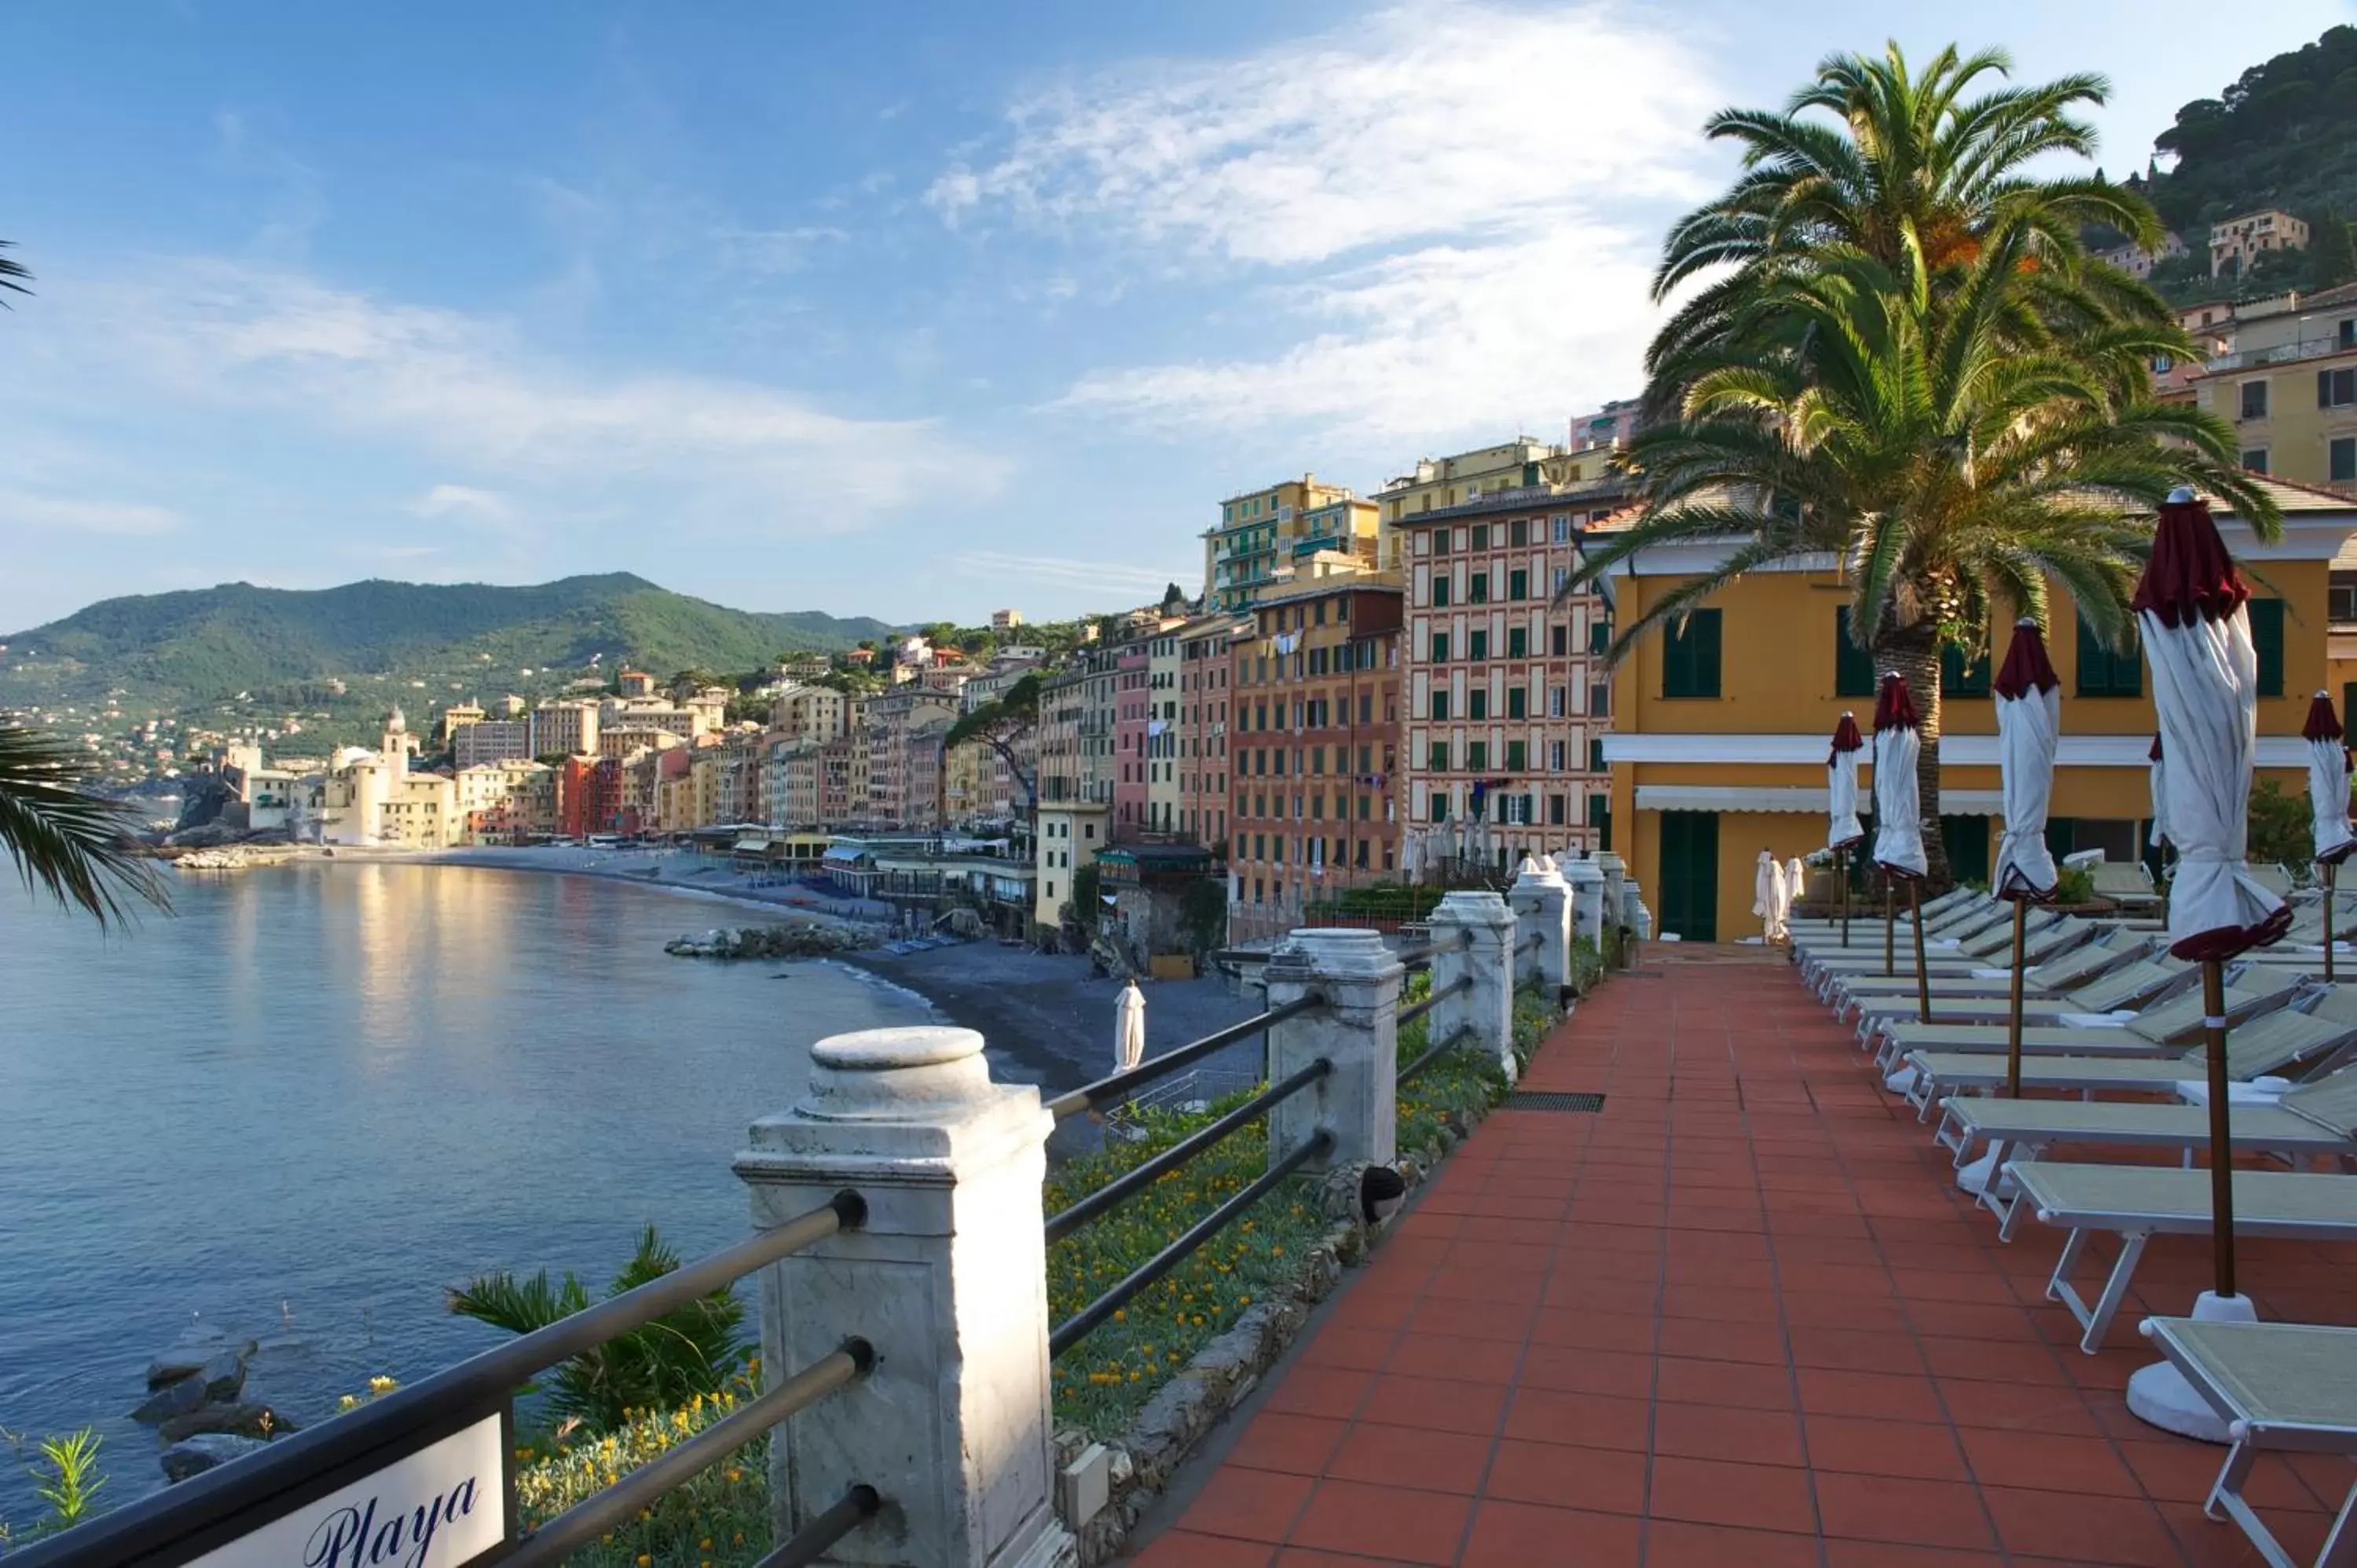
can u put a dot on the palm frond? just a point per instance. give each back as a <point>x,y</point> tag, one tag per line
<point>67,842</point>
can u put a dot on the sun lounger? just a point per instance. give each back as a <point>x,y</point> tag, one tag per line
<point>2267,1045</point>
<point>2045,942</point>
<point>2124,881</point>
<point>2129,987</point>
<point>2079,956</point>
<point>2285,1386</point>
<point>2136,1203</point>
<point>2309,1119</point>
<point>2159,1028</point>
<point>1956,922</point>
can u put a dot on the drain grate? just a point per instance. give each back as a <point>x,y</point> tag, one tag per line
<point>1550,1100</point>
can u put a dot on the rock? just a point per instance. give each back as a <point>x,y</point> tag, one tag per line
<point>186,1356</point>
<point>203,1452</point>
<point>247,1418</point>
<point>219,1380</point>
<point>181,1398</point>
<point>224,1376</point>
<point>806,939</point>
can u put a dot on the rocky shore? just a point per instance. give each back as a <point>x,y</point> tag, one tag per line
<point>197,1403</point>
<point>806,939</point>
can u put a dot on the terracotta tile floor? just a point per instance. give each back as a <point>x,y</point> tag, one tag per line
<point>1742,1317</point>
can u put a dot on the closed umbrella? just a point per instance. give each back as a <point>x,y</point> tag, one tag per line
<point>2205,680</point>
<point>1767,897</point>
<point>1796,883</point>
<point>2328,800</point>
<point>2159,833</point>
<point>1843,828</point>
<point>1128,1028</point>
<point>1898,825</point>
<point>1410,861</point>
<point>2028,729</point>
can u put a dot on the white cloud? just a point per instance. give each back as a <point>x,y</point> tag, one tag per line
<point>463,501</point>
<point>1451,208</point>
<point>550,438</point>
<point>1060,572</point>
<point>72,514</point>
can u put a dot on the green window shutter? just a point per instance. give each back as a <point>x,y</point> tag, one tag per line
<point>1476,703</point>
<point>1600,636</point>
<point>1477,645</point>
<point>1517,703</point>
<point>1440,704</point>
<point>1440,647</point>
<point>1853,665</point>
<point>1599,817</point>
<point>1477,588</point>
<point>1958,679</point>
<point>1515,755</point>
<point>1477,755</point>
<point>1439,591</point>
<point>1595,756</point>
<point>2268,636</point>
<point>1690,656</point>
<point>1518,642</point>
<point>1518,585</point>
<point>1437,760</point>
<point>2105,673</point>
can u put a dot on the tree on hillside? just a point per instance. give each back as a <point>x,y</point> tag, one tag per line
<point>1914,368</point>
<point>998,724</point>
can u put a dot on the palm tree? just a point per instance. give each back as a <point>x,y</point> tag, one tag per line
<point>67,843</point>
<point>10,271</point>
<point>1952,476</point>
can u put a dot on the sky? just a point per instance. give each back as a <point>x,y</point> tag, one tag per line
<point>911,310</point>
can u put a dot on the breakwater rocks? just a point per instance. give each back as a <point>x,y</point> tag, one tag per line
<point>233,858</point>
<point>810,939</point>
<point>197,1403</point>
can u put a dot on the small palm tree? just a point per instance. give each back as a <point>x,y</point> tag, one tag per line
<point>692,1350</point>
<point>75,846</point>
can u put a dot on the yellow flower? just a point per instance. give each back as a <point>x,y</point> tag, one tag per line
<point>381,1385</point>
<point>645,1560</point>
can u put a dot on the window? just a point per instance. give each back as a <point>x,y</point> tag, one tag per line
<point>1554,756</point>
<point>1560,641</point>
<point>1366,707</point>
<point>1480,536</point>
<point>2255,458</point>
<point>2341,599</point>
<point>1853,665</point>
<point>1438,758</point>
<point>1596,756</point>
<point>1599,700</point>
<point>1476,703</point>
<point>2336,389</point>
<point>1517,703</point>
<point>2255,399</point>
<point>1599,817</point>
<point>1441,590</point>
<point>2105,673</point>
<point>1477,589</point>
<point>1440,704</point>
<point>2268,636</point>
<point>1439,807</point>
<point>1440,647</point>
<point>1518,584</point>
<point>1600,636</point>
<point>1690,655</point>
<point>1517,756</point>
<point>1477,645</point>
<point>1318,613</point>
<point>1518,534</point>
<point>1555,810</point>
<point>1563,522</point>
<point>1958,679</point>
<point>2340,460</point>
<point>1477,755</point>
<point>1441,541</point>
<point>2347,337</point>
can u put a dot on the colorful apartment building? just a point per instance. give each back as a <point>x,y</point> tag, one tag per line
<point>1259,533</point>
<point>1202,755</point>
<point>1132,672</point>
<point>2288,382</point>
<point>1314,679</point>
<point>1163,733</point>
<point>2235,243</point>
<point>1721,728</point>
<point>1507,701</point>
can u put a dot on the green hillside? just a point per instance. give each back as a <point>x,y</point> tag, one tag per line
<point>191,649</point>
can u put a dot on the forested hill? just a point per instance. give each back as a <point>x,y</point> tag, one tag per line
<point>207,645</point>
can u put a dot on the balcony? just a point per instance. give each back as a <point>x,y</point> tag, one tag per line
<point>2317,347</point>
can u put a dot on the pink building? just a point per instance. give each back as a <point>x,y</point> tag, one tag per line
<point>1132,707</point>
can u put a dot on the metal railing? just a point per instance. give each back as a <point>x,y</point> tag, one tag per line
<point>1112,1089</point>
<point>1440,1047</point>
<point>1423,953</point>
<point>305,1468</point>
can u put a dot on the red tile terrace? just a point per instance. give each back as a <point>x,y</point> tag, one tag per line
<point>1740,1317</point>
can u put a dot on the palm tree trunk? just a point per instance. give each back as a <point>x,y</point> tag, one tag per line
<point>1915,653</point>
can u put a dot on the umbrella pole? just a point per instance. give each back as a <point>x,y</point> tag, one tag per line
<point>1841,875</point>
<point>2221,1146</point>
<point>2013,1023</point>
<point>2330,871</point>
<point>1922,970</point>
<point>1890,932</point>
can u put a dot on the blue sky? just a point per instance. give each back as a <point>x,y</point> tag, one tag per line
<point>903,309</point>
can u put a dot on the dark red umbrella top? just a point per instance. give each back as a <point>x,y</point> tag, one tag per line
<point>2190,576</point>
<point>1845,738</point>
<point>1894,707</point>
<point>2322,724</point>
<point>2155,756</point>
<point>2026,667</point>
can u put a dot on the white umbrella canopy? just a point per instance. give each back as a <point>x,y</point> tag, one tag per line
<point>1897,802</point>
<point>1767,897</point>
<point>1411,859</point>
<point>1843,828</point>
<point>2328,782</point>
<point>2029,728</point>
<point>2159,797</point>
<point>1796,883</point>
<point>1128,1028</point>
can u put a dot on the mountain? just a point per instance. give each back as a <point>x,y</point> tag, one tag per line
<point>206,646</point>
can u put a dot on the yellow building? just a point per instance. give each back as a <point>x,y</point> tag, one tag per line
<point>2235,243</point>
<point>1521,464</point>
<point>2288,382</point>
<point>1260,532</point>
<point>1721,730</point>
<point>1071,833</point>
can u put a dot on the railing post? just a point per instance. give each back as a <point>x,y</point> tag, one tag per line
<point>1475,933</point>
<point>1357,1030</point>
<point>1586,901</point>
<point>1541,901</point>
<point>947,1279</point>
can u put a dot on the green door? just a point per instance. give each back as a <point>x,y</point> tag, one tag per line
<point>1689,892</point>
<point>1967,841</point>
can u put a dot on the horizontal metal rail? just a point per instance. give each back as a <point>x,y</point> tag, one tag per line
<point>1432,1055</point>
<point>1075,1329</point>
<point>1534,939</point>
<point>1422,952</point>
<point>383,1430</point>
<point>1129,1183</point>
<point>810,1543</point>
<point>1410,1014</point>
<point>610,1509</point>
<point>1120,1086</point>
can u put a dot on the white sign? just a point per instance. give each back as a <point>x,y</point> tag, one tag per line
<point>437,1507</point>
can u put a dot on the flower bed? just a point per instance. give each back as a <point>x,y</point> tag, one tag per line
<point>720,1519</point>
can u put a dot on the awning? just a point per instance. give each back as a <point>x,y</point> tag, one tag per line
<point>1795,798</point>
<point>753,846</point>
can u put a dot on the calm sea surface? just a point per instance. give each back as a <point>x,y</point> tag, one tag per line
<point>315,1096</point>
